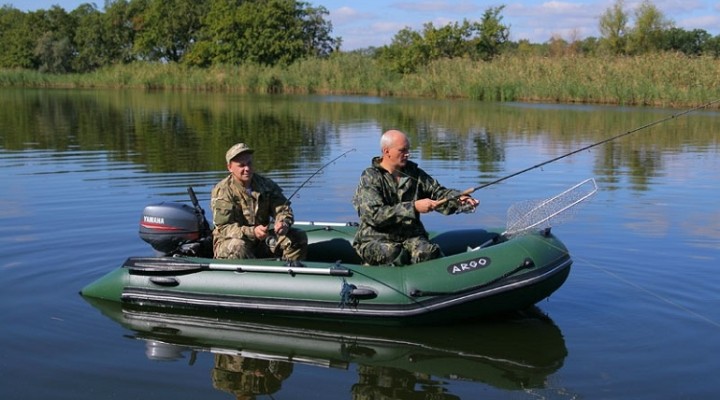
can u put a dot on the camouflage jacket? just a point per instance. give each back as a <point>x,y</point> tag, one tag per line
<point>386,208</point>
<point>232,205</point>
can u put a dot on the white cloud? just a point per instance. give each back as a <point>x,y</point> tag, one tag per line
<point>348,14</point>
<point>668,7</point>
<point>561,7</point>
<point>538,23</point>
<point>707,22</point>
<point>442,21</point>
<point>448,7</point>
<point>388,27</point>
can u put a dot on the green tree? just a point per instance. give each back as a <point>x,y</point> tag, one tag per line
<point>122,20</point>
<point>588,46</point>
<point>16,45</point>
<point>267,32</point>
<point>712,47</point>
<point>54,55</point>
<point>494,34</point>
<point>449,41</point>
<point>54,48</point>
<point>410,49</point>
<point>613,28</point>
<point>647,34</point>
<point>317,32</point>
<point>169,28</point>
<point>406,52</point>
<point>691,43</point>
<point>273,32</point>
<point>91,39</point>
<point>217,37</point>
<point>524,48</point>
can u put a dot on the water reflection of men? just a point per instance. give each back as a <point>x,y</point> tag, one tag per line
<point>247,377</point>
<point>376,382</point>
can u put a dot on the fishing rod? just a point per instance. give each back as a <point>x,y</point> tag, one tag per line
<point>315,173</point>
<point>590,146</point>
<point>272,239</point>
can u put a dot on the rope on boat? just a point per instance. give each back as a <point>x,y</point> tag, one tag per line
<point>346,297</point>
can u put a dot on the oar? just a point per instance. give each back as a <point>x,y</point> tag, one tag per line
<point>169,265</point>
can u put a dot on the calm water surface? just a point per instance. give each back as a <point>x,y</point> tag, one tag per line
<point>638,318</point>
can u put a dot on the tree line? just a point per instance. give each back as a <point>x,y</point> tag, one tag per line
<point>651,32</point>
<point>192,32</point>
<point>203,33</point>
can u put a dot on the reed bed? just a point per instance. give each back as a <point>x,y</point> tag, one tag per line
<point>662,80</point>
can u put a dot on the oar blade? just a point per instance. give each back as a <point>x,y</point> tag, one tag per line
<point>161,265</point>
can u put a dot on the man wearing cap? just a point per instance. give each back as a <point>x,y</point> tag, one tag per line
<point>243,205</point>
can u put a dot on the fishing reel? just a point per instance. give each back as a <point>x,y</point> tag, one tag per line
<point>271,240</point>
<point>466,208</point>
<point>272,237</point>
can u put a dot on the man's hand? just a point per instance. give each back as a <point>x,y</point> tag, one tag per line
<point>469,201</point>
<point>260,232</point>
<point>281,228</point>
<point>425,205</point>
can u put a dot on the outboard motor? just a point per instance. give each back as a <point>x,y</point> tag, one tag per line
<point>177,229</point>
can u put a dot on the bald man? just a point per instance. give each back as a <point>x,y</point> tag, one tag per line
<point>392,194</point>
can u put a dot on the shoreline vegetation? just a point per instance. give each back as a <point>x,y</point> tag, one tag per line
<point>286,47</point>
<point>655,80</point>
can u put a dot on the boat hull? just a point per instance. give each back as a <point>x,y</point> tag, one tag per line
<point>482,274</point>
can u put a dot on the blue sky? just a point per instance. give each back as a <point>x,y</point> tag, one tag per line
<point>364,23</point>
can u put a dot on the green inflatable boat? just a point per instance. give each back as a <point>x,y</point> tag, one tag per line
<point>483,272</point>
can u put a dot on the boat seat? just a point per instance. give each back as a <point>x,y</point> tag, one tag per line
<point>451,243</point>
<point>459,241</point>
<point>332,250</point>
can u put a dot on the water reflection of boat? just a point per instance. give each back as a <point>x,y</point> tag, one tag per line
<point>517,352</point>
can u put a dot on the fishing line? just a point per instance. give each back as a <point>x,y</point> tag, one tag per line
<point>272,237</point>
<point>653,294</point>
<point>643,289</point>
<point>195,202</point>
<point>590,146</point>
<point>617,277</point>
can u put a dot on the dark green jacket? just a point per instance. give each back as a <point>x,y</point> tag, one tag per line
<point>386,208</point>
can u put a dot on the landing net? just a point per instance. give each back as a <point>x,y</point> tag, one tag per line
<point>540,214</point>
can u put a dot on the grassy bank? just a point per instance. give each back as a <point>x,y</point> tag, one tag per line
<point>663,80</point>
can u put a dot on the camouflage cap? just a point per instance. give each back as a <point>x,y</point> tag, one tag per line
<point>237,149</point>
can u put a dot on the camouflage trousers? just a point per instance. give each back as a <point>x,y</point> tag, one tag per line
<point>247,377</point>
<point>289,247</point>
<point>410,251</point>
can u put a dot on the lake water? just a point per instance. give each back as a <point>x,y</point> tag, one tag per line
<point>638,318</point>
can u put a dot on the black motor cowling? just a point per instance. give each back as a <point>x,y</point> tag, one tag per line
<point>176,228</point>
